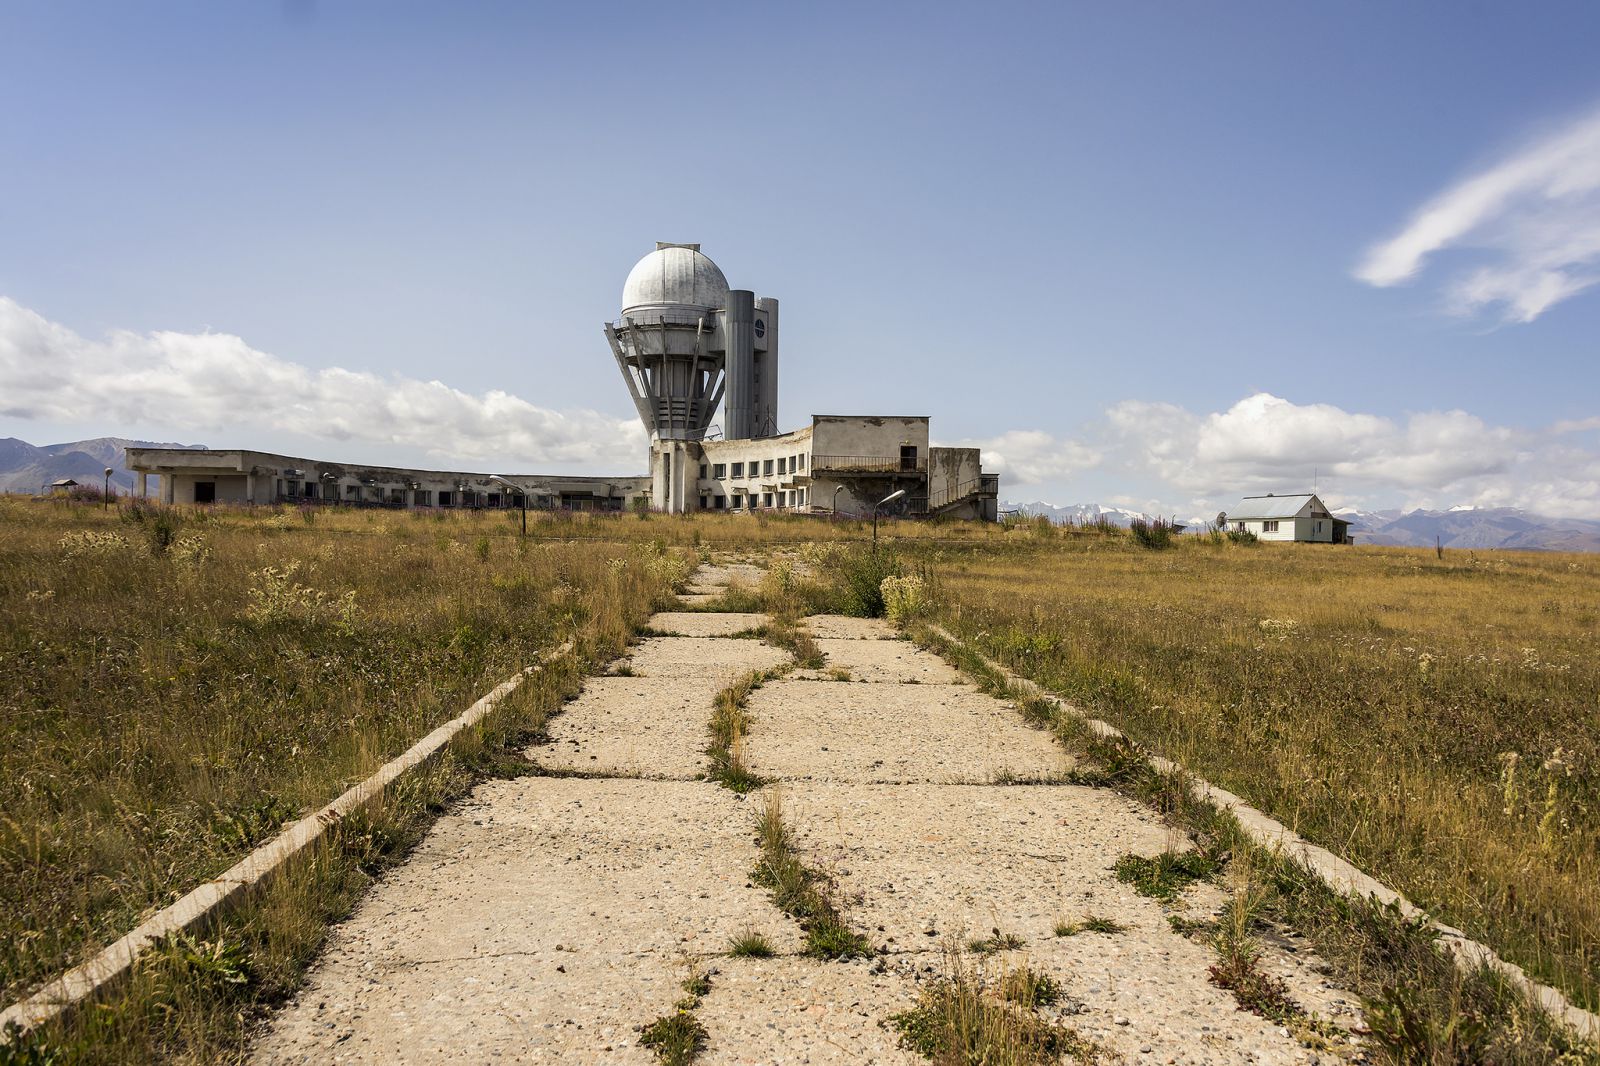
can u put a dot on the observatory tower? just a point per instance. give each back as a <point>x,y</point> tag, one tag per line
<point>685,344</point>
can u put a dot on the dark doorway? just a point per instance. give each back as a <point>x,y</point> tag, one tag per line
<point>205,492</point>
<point>908,457</point>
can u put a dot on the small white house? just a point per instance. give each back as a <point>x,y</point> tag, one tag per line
<point>1299,516</point>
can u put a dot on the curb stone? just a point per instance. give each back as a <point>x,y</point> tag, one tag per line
<point>85,979</point>
<point>1336,873</point>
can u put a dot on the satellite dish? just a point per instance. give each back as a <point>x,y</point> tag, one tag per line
<point>1222,519</point>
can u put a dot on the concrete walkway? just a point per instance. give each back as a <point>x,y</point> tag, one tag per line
<point>551,916</point>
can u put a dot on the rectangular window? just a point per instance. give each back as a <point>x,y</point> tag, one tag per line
<point>446,497</point>
<point>705,501</point>
<point>738,470</point>
<point>330,490</point>
<point>738,501</point>
<point>1270,526</point>
<point>908,457</point>
<point>766,499</point>
<point>767,468</point>
<point>424,497</point>
<point>291,489</point>
<point>801,496</point>
<point>353,491</point>
<point>722,502</point>
<point>783,464</point>
<point>802,458</point>
<point>702,471</point>
<point>719,470</point>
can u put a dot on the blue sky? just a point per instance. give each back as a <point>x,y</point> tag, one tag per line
<point>1157,254</point>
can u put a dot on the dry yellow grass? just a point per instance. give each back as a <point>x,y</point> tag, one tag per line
<point>170,695</point>
<point>1436,721</point>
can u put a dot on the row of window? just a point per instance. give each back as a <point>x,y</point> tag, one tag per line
<point>329,491</point>
<point>1269,526</point>
<point>787,464</point>
<point>738,500</point>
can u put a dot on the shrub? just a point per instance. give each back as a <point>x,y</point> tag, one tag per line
<point>904,598</point>
<point>1155,536</point>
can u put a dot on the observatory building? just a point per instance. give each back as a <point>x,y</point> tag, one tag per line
<point>687,343</point>
<point>688,347</point>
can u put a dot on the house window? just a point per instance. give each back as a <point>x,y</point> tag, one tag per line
<point>722,502</point>
<point>424,498</point>
<point>719,470</point>
<point>802,458</point>
<point>290,489</point>
<point>738,470</point>
<point>1269,526</point>
<point>908,457</point>
<point>705,501</point>
<point>702,471</point>
<point>446,497</point>
<point>767,468</point>
<point>738,500</point>
<point>353,491</point>
<point>766,499</point>
<point>800,496</point>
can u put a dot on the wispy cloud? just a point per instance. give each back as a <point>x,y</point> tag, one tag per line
<point>1534,216</point>
<point>214,381</point>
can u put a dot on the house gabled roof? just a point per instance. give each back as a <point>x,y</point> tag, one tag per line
<point>1253,507</point>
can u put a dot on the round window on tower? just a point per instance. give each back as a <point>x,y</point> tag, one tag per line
<point>761,327</point>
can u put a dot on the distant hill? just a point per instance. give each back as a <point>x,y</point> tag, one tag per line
<point>1475,527</point>
<point>27,467</point>
<point>1459,527</point>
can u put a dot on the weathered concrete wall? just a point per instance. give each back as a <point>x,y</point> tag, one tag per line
<point>951,468</point>
<point>869,435</point>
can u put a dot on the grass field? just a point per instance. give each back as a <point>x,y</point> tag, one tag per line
<point>172,691</point>
<point>1434,720</point>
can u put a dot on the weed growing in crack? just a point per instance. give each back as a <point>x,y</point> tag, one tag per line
<point>995,941</point>
<point>1089,924</point>
<point>959,1019</point>
<point>729,723</point>
<point>802,893</point>
<point>1030,988</point>
<point>679,1037</point>
<point>1167,875</point>
<point>750,944</point>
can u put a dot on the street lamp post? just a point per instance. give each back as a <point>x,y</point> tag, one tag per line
<point>105,494</point>
<point>834,509</point>
<point>895,495</point>
<point>522,497</point>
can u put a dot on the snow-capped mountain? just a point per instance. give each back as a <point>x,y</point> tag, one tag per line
<point>1083,514</point>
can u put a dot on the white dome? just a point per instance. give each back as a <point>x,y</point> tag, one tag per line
<point>674,276</point>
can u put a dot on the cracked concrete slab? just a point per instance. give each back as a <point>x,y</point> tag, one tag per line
<point>546,918</point>
<point>828,731</point>
<point>887,661</point>
<point>799,1010</point>
<point>930,867</point>
<point>705,623</point>
<point>715,661</point>
<point>840,627</point>
<point>631,727</point>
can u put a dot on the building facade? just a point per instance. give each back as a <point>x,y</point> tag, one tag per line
<point>1296,517</point>
<point>688,347</point>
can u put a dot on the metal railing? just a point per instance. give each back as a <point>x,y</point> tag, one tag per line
<point>982,485</point>
<point>870,464</point>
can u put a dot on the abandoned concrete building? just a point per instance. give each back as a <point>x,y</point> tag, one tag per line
<point>688,347</point>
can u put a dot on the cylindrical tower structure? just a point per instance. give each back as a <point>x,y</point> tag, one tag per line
<point>740,325</point>
<point>766,363</point>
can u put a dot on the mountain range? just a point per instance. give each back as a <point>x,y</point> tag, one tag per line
<point>1458,527</point>
<point>30,468</point>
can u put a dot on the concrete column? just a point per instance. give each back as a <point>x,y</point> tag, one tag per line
<point>660,461</point>
<point>140,484</point>
<point>168,488</point>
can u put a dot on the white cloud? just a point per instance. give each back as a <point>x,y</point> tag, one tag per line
<point>1430,459</point>
<point>1031,456</point>
<point>1535,215</point>
<point>214,381</point>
